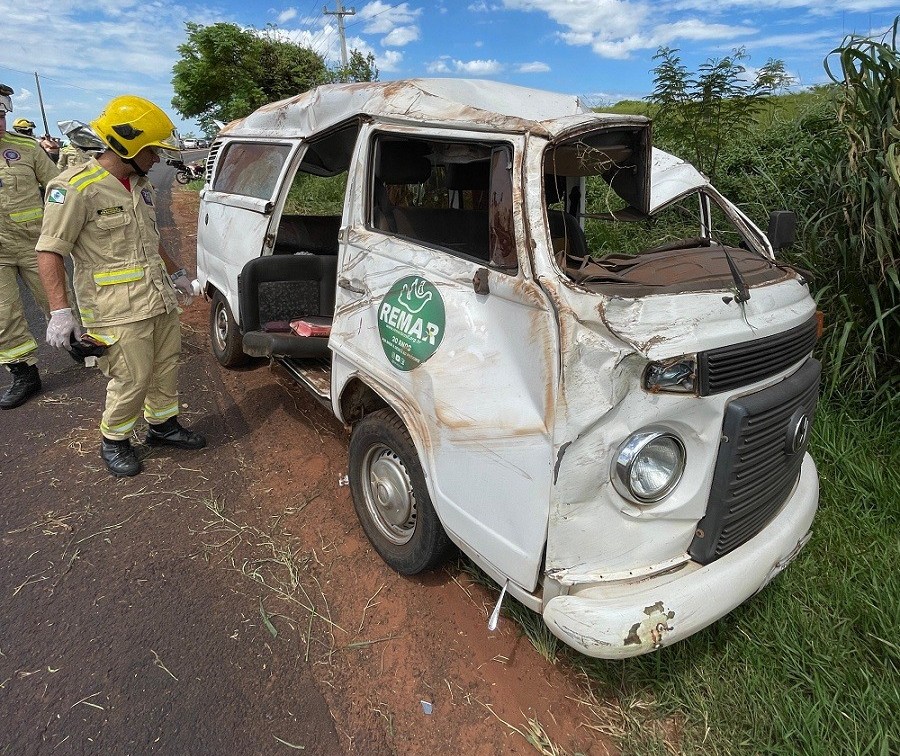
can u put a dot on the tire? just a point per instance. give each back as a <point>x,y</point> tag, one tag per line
<point>182,177</point>
<point>224,334</point>
<point>391,498</point>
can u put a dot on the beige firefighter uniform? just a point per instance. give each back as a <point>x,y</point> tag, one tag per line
<point>71,156</point>
<point>24,169</point>
<point>125,296</point>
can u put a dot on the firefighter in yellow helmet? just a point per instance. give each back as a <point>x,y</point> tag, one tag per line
<point>103,214</point>
<point>24,127</point>
<point>24,170</point>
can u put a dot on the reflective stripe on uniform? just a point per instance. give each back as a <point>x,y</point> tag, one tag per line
<point>161,414</point>
<point>110,277</point>
<point>103,338</point>
<point>15,353</point>
<point>20,140</point>
<point>87,316</point>
<point>125,427</point>
<point>84,180</point>
<point>23,216</point>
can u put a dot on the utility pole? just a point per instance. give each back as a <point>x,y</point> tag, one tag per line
<point>340,13</point>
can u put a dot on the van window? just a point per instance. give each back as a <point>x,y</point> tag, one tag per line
<point>455,196</point>
<point>250,170</point>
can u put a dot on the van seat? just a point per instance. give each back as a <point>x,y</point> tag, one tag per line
<point>283,288</point>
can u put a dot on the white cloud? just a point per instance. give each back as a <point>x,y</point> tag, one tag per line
<point>382,18</point>
<point>288,14</point>
<point>445,65</point>
<point>389,60</point>
<point>619,28</point>
<point>533,67</point>
<point>440,66</point>
<point>400,36</point>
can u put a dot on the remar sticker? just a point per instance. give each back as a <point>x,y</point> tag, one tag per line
<point>411,322</point>
<point>57,195</point>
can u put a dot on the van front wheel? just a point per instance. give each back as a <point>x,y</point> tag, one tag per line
<point>224,334</point>
<point>390,496</point>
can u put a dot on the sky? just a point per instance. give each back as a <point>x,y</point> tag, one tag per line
<point>601,50</point>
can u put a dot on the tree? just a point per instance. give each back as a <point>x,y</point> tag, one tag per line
<point>227,72</point>
<point>696,112</point>
<point>358,68</point>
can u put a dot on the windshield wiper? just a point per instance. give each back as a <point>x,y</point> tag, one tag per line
<point>742,293</point>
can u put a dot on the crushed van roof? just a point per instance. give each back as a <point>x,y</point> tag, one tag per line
<point>463,103</point>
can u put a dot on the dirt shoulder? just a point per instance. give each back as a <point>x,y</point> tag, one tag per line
<point>227,601</point>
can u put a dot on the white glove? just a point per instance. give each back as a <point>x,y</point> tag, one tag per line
<point>61,327</point>
<point>183,289</point>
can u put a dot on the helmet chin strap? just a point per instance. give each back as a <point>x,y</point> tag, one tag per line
<point>136,167</point>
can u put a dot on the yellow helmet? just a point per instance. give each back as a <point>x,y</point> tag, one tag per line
<point>130,123</point>
<point>23,125</point>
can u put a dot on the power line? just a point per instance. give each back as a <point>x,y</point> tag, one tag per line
<point>51,78</point>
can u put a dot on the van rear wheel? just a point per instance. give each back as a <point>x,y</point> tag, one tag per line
<point>224,334</point>
<point>391,498</point>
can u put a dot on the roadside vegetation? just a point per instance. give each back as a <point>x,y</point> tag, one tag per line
<point>812,664</point>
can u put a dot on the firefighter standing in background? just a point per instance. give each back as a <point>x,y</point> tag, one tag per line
<point>24,170</point>
<point>26,128</point>
<point>103,214</point>
<point>83,144</point>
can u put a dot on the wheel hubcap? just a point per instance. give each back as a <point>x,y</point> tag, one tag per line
<point>389,495</point>
<point>221,329</point>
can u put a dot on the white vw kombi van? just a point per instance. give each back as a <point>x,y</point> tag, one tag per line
<point>556,347</point>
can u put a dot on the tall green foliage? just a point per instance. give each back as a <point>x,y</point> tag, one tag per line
<point>698,113</point>
<point>856,239</point>
<point>227,72</point>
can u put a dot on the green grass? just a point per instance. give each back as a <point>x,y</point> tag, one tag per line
<point>811,665</point>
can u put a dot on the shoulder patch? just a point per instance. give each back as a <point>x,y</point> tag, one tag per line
<point>11,155</point>
<point>57,196</point>
<point>148,196</point>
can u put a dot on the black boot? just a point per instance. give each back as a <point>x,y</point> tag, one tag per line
<point>119,457</point>
<point>170,433</point>
<point>26,383</point>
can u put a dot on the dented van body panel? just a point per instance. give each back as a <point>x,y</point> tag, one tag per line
<point>588,420</point>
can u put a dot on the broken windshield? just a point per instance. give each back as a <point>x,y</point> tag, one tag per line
<point>600,239</point>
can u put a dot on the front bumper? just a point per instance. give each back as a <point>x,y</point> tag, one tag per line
<point>622,619</point>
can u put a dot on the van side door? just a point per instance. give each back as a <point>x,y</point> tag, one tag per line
<point>438,309</point>
<point>236,210</point>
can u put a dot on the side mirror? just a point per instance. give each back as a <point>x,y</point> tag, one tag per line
<point>782,229</point>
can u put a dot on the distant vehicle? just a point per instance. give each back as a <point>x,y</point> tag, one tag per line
<point>190,144</point>
<point>202,144</point>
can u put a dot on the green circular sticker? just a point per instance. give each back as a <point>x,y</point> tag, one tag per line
<point>411,322</point>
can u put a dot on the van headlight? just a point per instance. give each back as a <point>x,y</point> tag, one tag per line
<point>648,465</point>
<point>677,375</point>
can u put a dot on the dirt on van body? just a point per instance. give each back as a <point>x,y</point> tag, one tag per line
<point>227,601</point>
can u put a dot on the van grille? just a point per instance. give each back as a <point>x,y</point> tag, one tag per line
<point>760,454</point>
<point>731,367</point>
